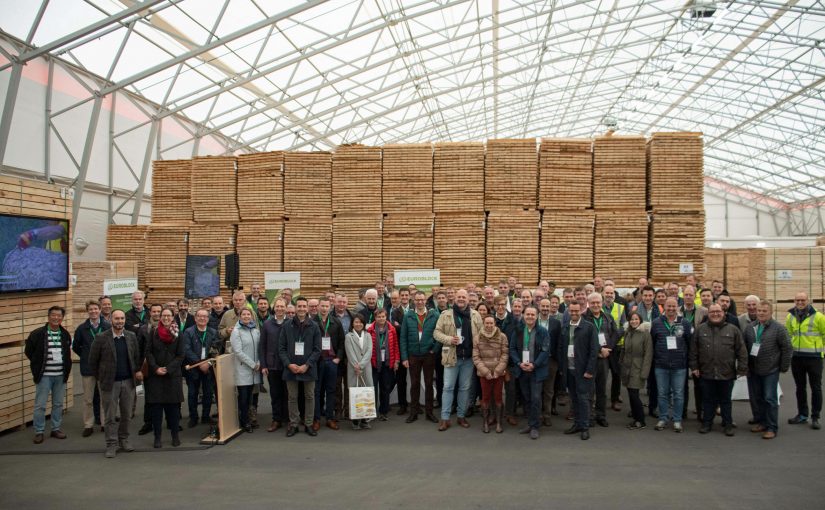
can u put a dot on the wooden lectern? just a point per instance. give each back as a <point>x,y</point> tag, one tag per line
<point>228,425</point>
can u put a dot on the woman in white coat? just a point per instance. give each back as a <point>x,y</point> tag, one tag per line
<point>358,345</point>
<point>245,339</point>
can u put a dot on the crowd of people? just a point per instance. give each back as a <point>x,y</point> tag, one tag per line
<point>490,349</point>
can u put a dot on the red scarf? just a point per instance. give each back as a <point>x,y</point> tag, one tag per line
<point>165,335</point>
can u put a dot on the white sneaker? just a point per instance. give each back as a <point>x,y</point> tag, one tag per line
<point>677,426</point>
<point>660,425</point>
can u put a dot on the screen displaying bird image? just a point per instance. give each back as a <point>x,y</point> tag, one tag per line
<point>202,276</point>
<point>34,253</point>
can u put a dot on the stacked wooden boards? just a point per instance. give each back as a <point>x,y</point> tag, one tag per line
<point>261,186</point>
<point>458,177</point>
<point>676,238</point>
<point>744,273</point>
<point>619,172</point>
<point>459,247</point>
<point>620,247</point>
<point>171,191</point>
<point>214,189</point>
<point>675,171</point>
<point>356,249</point>
<point>13,370</point>
<point>792,270</point>
<point>407,242</point>
<point>308,249</point>
<point>510,173</point>
<point>308,183</point>
<point>565,174</point>
<point>168,269</point>
<point>513,245</point>
<point>260,250</point>
<point>407,178</point>
<point>128,243</point>
<point>90,278</point>
<point>567,246</point>
<point>714,266</point>
<point>356,180</point>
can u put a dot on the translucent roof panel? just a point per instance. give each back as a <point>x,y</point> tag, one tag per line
<point>275,74</point>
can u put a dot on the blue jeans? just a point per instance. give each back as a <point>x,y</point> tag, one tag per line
<point>580,391</point>
<point>766,398</point>
<point>461,373</point>
<point>531,392</point>
<point>671,384</point>
<point>55,386</point>
<point>327,377</point>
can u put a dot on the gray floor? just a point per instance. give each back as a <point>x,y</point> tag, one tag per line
<point>414,466</point>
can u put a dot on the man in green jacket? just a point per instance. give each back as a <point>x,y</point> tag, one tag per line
<point>418,353</point>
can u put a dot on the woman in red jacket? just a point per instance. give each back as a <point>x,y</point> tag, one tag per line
<point>385,360</point>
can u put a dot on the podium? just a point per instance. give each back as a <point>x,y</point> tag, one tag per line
<point>228,425</point>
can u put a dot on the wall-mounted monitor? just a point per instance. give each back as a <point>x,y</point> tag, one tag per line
<point>34,254</point>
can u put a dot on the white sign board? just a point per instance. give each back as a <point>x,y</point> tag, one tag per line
<point>421,278</point>
<point>784,274</point>
<point>277,281</point>
<point>686,268</point>
<point>120,291</point>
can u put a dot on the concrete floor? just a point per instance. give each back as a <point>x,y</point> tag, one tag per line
<point>414,466</point>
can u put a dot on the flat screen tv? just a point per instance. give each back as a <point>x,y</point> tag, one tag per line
<point>34,254</point>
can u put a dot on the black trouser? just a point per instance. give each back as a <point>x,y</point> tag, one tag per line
<point>96,405</point>
<point>602,368</point>
<point>580,390</point>
<point>172,412</point>
<point>615,374</point>
<point>384,381</point>
<point>636,407</point>
<point>277,396</point>
<point>401,385</point>
<point>195,382</point>
<point>806,370</point>
<point>652,393</point>
<point>244,399</point>
<point>697,396</point>
<point>439,377</point>
<point>717,393</point>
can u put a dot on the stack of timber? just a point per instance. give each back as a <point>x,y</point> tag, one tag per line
<point>261,186</point>
<point>567,246</point>
<point>513,246</point>
<point>744,273</point>
<point>407,242</point>
<point>792,270</point>
<point>14,368</point>
<point>260,248</point>
<point>675,171</point>
<point>458,177</point>
<point>510,173</point>
<point>308,249</point>
<point>676,238</point>
<point>356,248</point>
<point>621,246</point>
<point>90,278</point>
<point>308,183</point>
<point>407,178</point>
<point>171,191</point>
<point>565,173</point>
<point>214,189</point>
<point>356,180</point>
<point>459,247</point>
<point>167,270</point>
<point>714,266</point>
<point>619,172</point>
<point>128,243</point>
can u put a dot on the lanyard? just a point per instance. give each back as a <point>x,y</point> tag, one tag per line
<point>598,322</point>
<point>668,326</point>
<point>94,331</point>
<point>142,313</point>
<point>457,322</point>
<point>759,330</point>
<point>526,338</point>
<point>382,339</point>
<point>203,339</point>
<point>692,314</point>
<point>326,327</point>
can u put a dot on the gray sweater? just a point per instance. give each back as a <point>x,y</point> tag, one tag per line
<point>775,349</point>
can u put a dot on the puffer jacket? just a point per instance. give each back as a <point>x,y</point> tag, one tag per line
<point>718,352</point>
<point>490,352</point>
<point>636,357</point>
<point>775,350</point>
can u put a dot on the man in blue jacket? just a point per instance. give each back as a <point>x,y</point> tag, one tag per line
<point>299,347</point>
<point>531,347</point>
<point>84,335</point>
<point>671,335</point>
<point>200,342</point>
<point>576,352</point>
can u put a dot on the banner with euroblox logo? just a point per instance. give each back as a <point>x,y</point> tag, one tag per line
<point>121,292</point>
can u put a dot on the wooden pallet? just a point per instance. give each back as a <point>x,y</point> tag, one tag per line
<point>459,247</point>
<point>308,249</point>
<point>458,177</point>
<point>676,238</point>
<point>407,241</point>
<point>356,180</point>
<point>166,247</point>
<point>620,247</point>
<point>513,246</point>
<point>510,175</point>
<point>128,243</point>
<point>619,172</point>
<point>214,189</point>
<point>675,171</point>
<point>171,191</point>
<point>565,173</point>
<point>261,186</point>
<point>308,183</point>
<point>407,178</point>
<point>260,247</point>
<point>567,246</point>
<point>356,249</point>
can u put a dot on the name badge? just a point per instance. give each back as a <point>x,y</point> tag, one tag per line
<point>203,352</point>
<point>56,354</point>
<point>326,343</point>
<point>525,356</point>
<point>383,355</point>
<point>299,348</point>
<point>671,343</point>
<point>755,350</point>
<point>139,391</point>
<point>602,340</point>
<point>420,334</point>
<point>460,337</point>
<point>570,351</point>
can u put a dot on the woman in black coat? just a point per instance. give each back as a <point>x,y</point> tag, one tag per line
<point>164,385</point>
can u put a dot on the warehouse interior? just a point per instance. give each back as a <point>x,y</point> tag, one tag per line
<point>347,139</point>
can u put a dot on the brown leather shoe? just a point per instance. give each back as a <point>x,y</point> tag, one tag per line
<point>512,421</point>
<point>38,438</point>
<point>332,424</point>
<point>275,425</point>
<point>316,425</point>
<point>58,434</point>
<point>758,428</point>
<point>616,406</point>
<point>88,432</point>
<point>464,423</point>
<point>769,434</point>
<point>443,425</point>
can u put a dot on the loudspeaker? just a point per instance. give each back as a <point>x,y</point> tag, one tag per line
<point>231,265</point>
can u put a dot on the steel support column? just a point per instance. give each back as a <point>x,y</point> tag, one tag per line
<point>80,182</point>
<point>147,160</point>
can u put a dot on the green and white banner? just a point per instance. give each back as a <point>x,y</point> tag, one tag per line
<point>274,282</point>
<point>423,279</point>
<point>121,292</point>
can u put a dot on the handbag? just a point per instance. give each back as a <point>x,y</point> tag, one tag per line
<point>362,401</point>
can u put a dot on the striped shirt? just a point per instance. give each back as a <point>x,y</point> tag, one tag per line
<point>54,353</point>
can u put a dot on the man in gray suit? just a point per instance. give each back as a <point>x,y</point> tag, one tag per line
<point>114,361</point>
